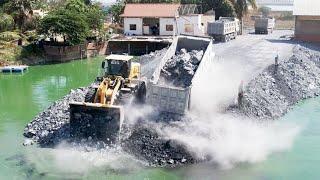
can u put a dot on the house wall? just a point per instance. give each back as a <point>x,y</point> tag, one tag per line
<point>307,28</point>
<point>128,21</point>
<point>190,25</point>
<point>167,21</point>
<point>205,19</point>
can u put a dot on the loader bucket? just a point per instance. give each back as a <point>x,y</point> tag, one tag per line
<point>102,123</point>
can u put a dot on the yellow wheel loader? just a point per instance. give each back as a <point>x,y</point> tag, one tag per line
<point>100,116</point>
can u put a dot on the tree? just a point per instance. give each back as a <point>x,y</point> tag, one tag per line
<point>19,10</point>
<point>265,10</point>
<point>6,22</point>
<point>221,7</point>
<point>241,8</point>
<point>116,10</point>
<point>76,5</point>
<point>69,24</point>
<point>95,17</point>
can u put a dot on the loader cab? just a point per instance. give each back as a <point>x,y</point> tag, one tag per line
<point>117,65</point>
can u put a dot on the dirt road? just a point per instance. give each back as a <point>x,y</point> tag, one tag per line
<point>240,60</point>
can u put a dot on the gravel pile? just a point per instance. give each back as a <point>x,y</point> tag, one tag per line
<point>180,69</point>
<point>146,144</point>
<point>276,89</point>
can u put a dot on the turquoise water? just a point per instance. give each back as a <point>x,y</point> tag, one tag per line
<point>23,96</point>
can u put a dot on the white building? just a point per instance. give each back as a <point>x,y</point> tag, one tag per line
<point>163,20</point>
<point>307,20</point>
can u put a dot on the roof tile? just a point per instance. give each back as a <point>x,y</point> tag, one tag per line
<point>150,10</point>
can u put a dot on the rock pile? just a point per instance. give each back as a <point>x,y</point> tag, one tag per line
<point>144,59</point>
<point>277,88</point>
<point>52,125</point>
<point>150,62</point>
<point>180,69</point>
<point>146,143</point>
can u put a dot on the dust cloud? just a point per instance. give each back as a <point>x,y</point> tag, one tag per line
<point>223,138</point>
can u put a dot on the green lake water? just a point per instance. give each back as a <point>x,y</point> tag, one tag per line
<point>23,96</point>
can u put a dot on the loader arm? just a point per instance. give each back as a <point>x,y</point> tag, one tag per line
<point>106,92</point>
<point>100,119</point>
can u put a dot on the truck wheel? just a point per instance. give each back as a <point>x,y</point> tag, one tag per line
<point>91,94</point>
<point>224,39</point>
<point>141,93</point>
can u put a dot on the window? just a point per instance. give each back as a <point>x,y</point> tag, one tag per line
<point>133,27</point>
<point>188,28</point>
<point>169,27</point>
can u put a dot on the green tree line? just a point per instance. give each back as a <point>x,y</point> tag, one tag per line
<point>74,20</point>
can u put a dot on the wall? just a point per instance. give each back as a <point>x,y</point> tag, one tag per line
<point>167,21</point>
<point>137,21</point>
<point>136,48</point>
<point>195,23</point>
<point>205,19</point>
<point>307,28</point>
<point>64,53</point>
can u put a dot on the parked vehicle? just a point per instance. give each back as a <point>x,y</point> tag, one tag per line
<point>264,25</point>
<point>225,29</point>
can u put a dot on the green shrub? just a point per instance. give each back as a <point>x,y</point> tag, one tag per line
<point>6,22</point>
<point>9,36</point>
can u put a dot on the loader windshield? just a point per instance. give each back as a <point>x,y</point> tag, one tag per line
<point>118,68</point>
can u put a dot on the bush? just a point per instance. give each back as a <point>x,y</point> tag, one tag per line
<point>9,36</point>
<point>6,22</point>
<point>32,49</point>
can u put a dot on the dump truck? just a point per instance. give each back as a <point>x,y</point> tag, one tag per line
<point>224,29</point>
<point>233,19</point>
<point>100,116</point>
<point>173,100</point>
<point>264,25</point>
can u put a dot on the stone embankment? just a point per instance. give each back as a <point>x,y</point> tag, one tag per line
<point>274,91</point>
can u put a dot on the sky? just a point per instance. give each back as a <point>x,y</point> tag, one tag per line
<point>106,1</point>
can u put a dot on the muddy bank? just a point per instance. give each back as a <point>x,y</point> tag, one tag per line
<point>274,91</point>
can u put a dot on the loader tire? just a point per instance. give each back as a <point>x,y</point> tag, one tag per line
<point>141,93</point>
<point>91,94</point>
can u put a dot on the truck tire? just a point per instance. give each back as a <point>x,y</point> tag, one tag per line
<point>91,94</point>
<point>224,38</point>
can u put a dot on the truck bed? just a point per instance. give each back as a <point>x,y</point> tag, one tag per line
<point>167,97</point>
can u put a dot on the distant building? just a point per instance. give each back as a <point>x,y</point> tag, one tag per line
<point>307,20</point>
<point>276,5</point>
<point>164,19</point>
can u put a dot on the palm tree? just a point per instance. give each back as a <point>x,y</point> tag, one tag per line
<point>241,8</point>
